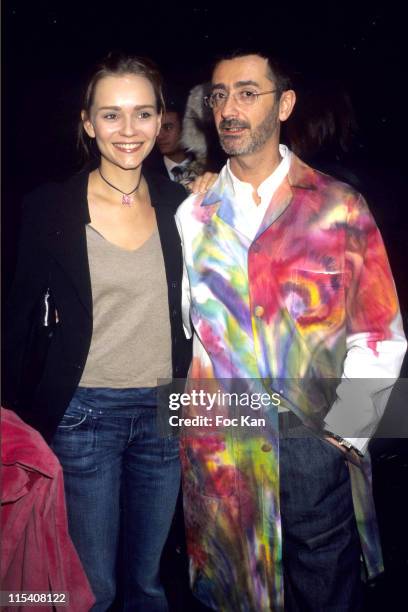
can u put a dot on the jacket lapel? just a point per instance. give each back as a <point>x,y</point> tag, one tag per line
<point>300,177</point>
<point>169,237</point>
<point>66,237</point>
<point>281,199</point>
<point>66,230</point>
<point>170,242</point>
<point>220,199</point>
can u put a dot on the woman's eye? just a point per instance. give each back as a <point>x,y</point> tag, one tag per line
<point>110,116</point>
<point>144,115</point>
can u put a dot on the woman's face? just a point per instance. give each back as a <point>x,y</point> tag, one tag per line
<point>123,119</point>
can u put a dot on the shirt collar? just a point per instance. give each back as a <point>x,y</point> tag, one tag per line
<point>170,164</point>
<point>226,182</point>
<point>269,185</point>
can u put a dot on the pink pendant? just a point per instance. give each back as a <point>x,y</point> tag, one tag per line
<point>127,200</point>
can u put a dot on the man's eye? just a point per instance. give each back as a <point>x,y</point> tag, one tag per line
<point>218,96</point>
<point>246,95</point>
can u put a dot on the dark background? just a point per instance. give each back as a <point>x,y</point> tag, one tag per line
<point>50,46</point>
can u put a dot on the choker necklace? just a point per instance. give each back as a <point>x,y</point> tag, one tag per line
<point>127,200</point>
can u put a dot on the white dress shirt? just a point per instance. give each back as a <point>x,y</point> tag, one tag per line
<point>170,164</point>
<point>249,215</point>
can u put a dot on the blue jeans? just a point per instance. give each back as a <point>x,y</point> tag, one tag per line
<point>321,546</point>
<point>121,479</point>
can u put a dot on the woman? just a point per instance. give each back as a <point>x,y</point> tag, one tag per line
<point>105,246</point>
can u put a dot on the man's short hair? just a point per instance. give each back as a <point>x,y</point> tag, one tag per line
<point>174,107</point>
<point>279,72</point>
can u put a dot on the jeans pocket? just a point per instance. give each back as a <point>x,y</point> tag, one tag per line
<point>72,421</point>
<point>342,531</point>
<point>304,431</point>
<point>334,449</point>
<point>171,448</point>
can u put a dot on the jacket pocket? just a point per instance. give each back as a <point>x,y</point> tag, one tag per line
<point>315,296</point>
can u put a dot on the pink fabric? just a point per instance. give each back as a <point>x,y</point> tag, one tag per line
<point>37,553</point>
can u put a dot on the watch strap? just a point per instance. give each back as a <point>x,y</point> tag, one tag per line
<point>343,442</point>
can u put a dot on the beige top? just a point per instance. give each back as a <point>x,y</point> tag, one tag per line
<point>131,339</point>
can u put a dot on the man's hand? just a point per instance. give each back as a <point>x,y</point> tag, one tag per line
<point>203,183</point>
<point>350,455</point>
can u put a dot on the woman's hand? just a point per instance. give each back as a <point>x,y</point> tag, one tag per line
<point>203,183</point>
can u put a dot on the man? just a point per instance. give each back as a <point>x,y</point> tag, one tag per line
<point>287,283</point>
<point>175,162</point>
<point>168,141</point>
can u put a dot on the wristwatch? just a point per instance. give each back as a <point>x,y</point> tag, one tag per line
<point>342,442</point>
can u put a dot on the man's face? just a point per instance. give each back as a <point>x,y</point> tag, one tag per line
<point>168,139</point>
<point>245,129</point>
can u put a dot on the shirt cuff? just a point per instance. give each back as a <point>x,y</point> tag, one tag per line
<point>360,444</point>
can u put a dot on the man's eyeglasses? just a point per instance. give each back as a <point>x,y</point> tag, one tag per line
<point>244,98</point>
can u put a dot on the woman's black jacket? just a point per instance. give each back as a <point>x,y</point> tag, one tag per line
<point>53,253</point>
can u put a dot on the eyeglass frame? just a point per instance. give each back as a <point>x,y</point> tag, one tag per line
<point>207,99</point>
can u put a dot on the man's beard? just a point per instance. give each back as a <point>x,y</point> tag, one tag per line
<point>253,140</point>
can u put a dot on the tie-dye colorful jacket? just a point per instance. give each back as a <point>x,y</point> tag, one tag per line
<point>310,298</point>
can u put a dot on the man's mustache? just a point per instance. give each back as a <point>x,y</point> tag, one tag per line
<point>232,123</point>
